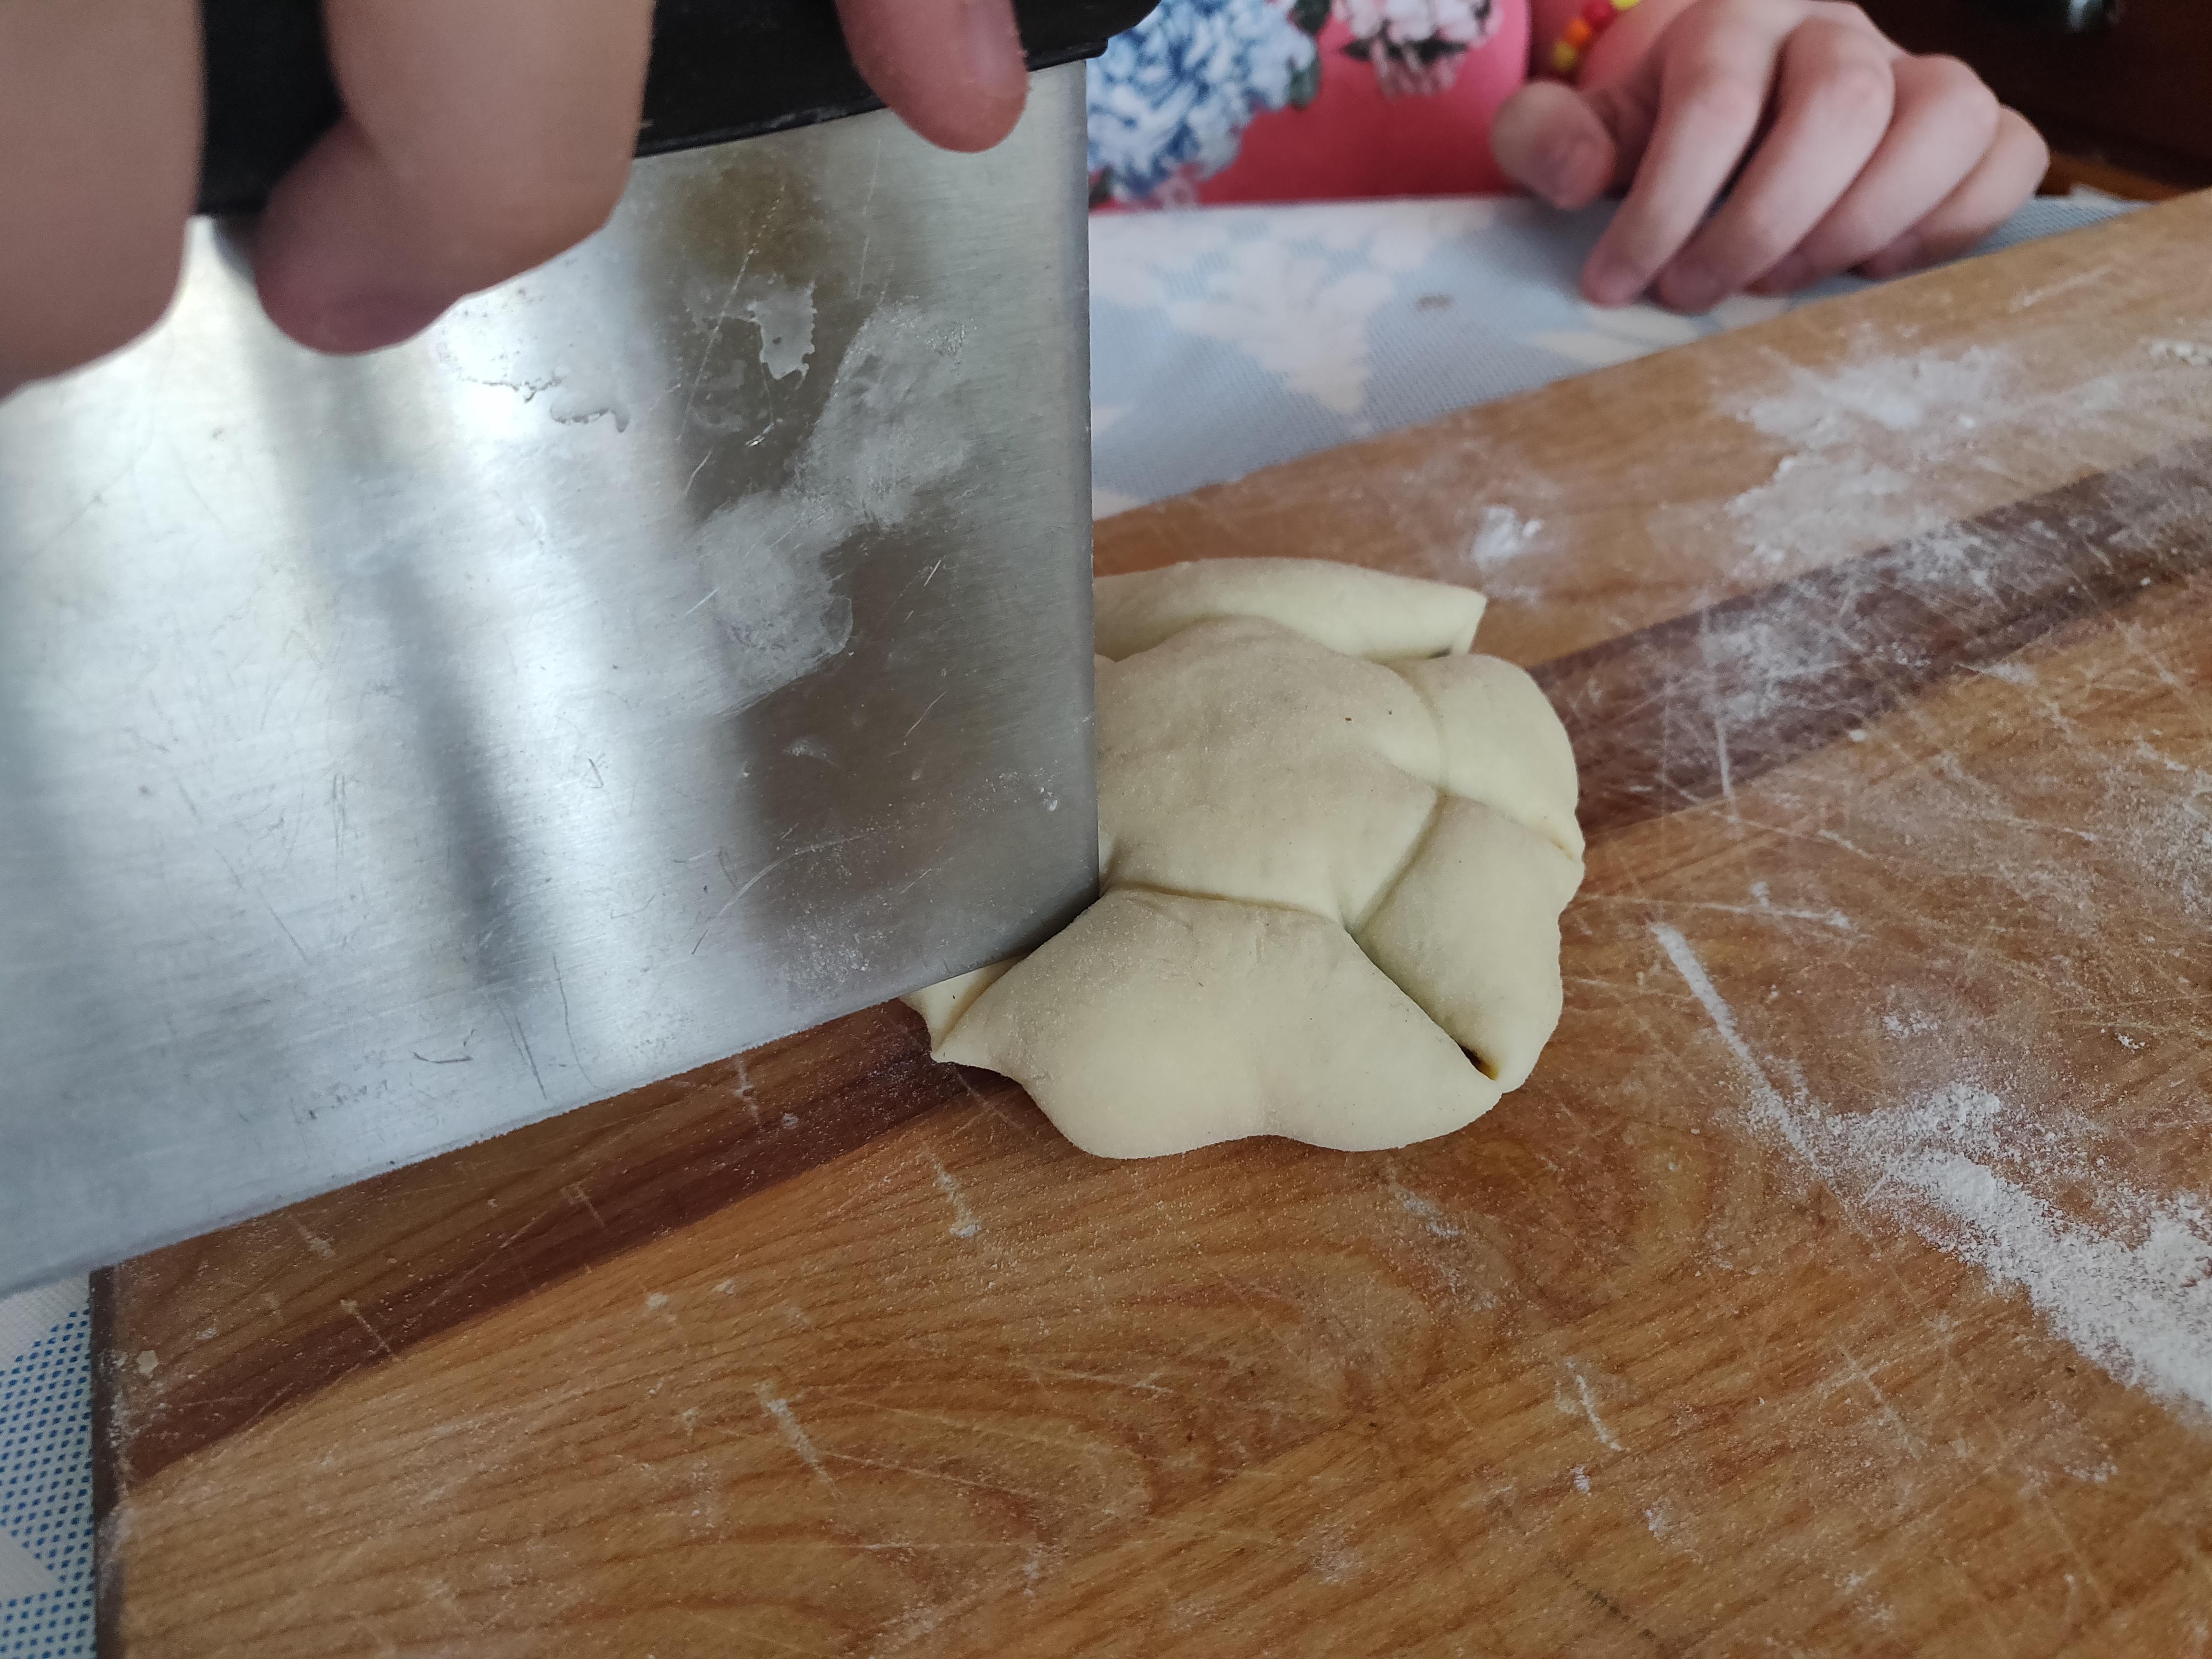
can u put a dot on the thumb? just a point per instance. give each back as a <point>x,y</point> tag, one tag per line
<point>952,68</point>
<point>1550,141</point>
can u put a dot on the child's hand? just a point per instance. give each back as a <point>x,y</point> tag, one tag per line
<point>480,137</point>
<point>1844,150</point>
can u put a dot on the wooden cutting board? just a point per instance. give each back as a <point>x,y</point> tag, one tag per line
<point>1841,1283</point>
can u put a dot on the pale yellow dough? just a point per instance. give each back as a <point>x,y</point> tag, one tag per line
<point>1334,847</point>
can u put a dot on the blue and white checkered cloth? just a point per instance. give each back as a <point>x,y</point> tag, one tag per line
<point>45,1474</point>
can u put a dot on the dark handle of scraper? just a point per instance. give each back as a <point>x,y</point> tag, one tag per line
<point>720,70</point>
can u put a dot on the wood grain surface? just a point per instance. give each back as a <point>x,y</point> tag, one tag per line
<point>1841,1283</point>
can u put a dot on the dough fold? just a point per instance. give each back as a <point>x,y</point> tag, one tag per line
<point>1501,743</point>
<point>1470,929</point>
<point>1156,1023</point>
<point>1361,613</point>
<point>1334,847</point>
<point>1239,760</point>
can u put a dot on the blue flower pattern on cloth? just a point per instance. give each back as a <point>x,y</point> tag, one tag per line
<point>1176,92</point>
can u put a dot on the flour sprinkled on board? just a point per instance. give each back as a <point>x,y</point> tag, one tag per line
<point>1859,436</point>
<point>2130,1287</point>
<point>1830,408</point>
<point>1583,1403</point>
<point>1333,1554</point>
<point>966,1222</point>
<point>1503,536</point>
<point>1887,445</point>
<point>2137,1298</point>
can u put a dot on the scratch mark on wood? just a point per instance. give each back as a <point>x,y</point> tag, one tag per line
<point>352,1310</point>
<point>1587,1398</point>
<point>787,1421</point>
<point>965,1223</point>
<point>1682,713</point>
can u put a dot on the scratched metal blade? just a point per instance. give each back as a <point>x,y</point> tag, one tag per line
<point>679,647</point>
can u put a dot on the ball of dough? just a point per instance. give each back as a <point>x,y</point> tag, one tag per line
<point>1334,847</point>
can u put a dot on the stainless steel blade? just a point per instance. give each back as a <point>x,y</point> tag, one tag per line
<point>681,644</point>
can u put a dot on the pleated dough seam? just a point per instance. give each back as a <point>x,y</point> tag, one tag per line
<point>938,1042</point>
<point>1442,784</point>
<point>1436,723</point>
<point>1356,925</point>
<point>1162,891</point>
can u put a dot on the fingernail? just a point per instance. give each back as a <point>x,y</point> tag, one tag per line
<point>372,322</point>
<point>1609,283</point>
<point>995,51</point>
<point>1690,288</point>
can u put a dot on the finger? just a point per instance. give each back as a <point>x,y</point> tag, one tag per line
<point>952,68</point>
<point>480,137</point>
<point>100,124</point>
<point>1991,193</point>
<point>1628,109</point>
<point>1834,98</point>
<point>1548,140</point>
<point>1945,122</point>
<point>1710,71</point>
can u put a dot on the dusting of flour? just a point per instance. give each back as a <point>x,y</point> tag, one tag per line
<point>1501,537</point>
<point>784,315</point>
<point>886,434</point>
<point>1886,445</point>
<point>2132,1290</point>
<point>1859,436</point>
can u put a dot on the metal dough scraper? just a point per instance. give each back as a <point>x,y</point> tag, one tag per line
<point>685,643</point>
